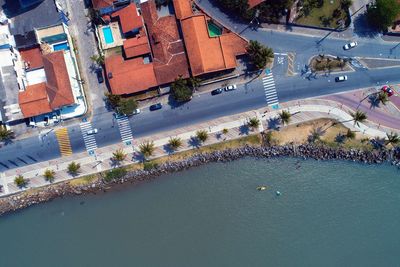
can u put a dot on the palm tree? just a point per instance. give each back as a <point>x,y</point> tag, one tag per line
<point>118,156</point>
<point>253,123</point>
<point>5,134</point>
<point>194,82</point>
<point>260,55</point>
<point>315,135</point>
<point>147,149</point>
<point>225,131</point>
<point>99,59</point>
<point>49,175</point>
<point>20,181</point>
<point>174,143</point>
<point>350,134</point>
<point>383,97</point>
<point>202,135</point>
<point>393,138</point>
<point>358,117</point>
<point>74,168</point>
<point>285,116</point>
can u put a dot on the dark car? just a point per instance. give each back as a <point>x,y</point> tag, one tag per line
<point>156,107</point>
<point>99,74</point>
<point>217,91</point>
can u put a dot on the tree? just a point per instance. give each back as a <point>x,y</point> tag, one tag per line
<point>20,181</point>
<point>202,135</point>
<point>285,116</point>
<point>174,143</point>
<point>180,90</point>
<point>74,168</point>
<point>253,123</point>
<point>99,59</point>
<point>345,4</point>
<point>127,106</point>
<point>383,13</point>
<point>315,136</point>
<point>350,134</point>
<point>49,175</point>
<point>383,97</point>
<point>5,134</point>
<point>147,149</point>
<point>393,139</point>
<point>194,82</point>
<point>225,131</point>
<point>260,55</point>
<point>118,156</point>
<point>113,100</point>
<point>358,117</point>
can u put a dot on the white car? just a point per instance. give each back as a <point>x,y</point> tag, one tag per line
<point>94,131</point>
<point>341,78</point>
<point>350,45</point>
<point>136,111</point>
<point>230,87</point>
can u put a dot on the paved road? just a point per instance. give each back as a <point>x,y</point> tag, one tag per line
<point>205,107</point>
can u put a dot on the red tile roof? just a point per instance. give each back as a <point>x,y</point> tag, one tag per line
<point>209,54</point>
<point>97,4</point>
<point>128,18</point>
<point>129,76</point>
<point>34,100</point>
<point>183,8</point>
<point>58,86</point>
<point>32,58</point>
<point>169,56</point>
<point>137,46</point>
<point>253,3</point>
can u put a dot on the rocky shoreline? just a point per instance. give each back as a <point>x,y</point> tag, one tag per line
<point>24,199</point>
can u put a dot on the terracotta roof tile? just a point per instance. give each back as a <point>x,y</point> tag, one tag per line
<point>129,76</point>
<point>183,8</point>
<point>58,85</point>
<point>209,54</point>
<point>34,101</point>
<point>32,57</point>
<point>128,18</point>
<point>137,46</point>
<point>98,4</point>
<point>253,3</point>
<point>169,57</point>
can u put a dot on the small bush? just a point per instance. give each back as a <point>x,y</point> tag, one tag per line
<point>115,174</point>
<point>148,165</point>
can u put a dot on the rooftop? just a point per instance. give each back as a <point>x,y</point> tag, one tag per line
<point>253,3</point>
<point>129,76</point>
<point>98,4</point>
<point>137,46</point>
<point>209,54</point>
<point>34,100</point>
<point>183,8</point>
<point>169,56</point>
<point>128,18</point>
<point>32,57</point>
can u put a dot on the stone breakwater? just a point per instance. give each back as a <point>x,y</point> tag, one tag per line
<point>47,193</point>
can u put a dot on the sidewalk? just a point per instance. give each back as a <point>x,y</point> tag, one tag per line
<point>304,110</point>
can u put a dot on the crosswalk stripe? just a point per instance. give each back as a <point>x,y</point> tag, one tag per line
<point>125,129</point>
<point>63,141</point>
<point>270,90</point>
<point>89,140</point>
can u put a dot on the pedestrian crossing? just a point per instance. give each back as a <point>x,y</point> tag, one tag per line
<point>63,142</point>
<point>125,129</point>
<point>269,88</point>
<point>90,141</point>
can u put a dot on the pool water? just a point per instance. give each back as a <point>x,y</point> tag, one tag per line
<point>108,37</point>
<point>214,30</point>
<point>61,46</point>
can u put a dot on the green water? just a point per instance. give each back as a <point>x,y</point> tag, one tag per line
<point>329,214</point>
<point>213,30</point>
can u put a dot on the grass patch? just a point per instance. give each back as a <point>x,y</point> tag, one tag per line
<point>328,16</point>
<point>114,174</point>
<point>324,63</point>
<point>85,180</point>
<point>148,165</point>
<point>113,51</point>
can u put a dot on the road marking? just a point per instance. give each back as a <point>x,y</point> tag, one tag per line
<point>90,141</point>
<point>269,89</point>
<point>125,129</point>
<point>63,142</point>
<point>290,70</point>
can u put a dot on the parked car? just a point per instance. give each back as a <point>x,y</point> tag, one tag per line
<point>217,91</point>
<point>99,74</point>
<point>93,131</point>
<point>136,111</point>
<point>156,107</point>
<point>389,91</point>
<point>341,78</point>
<point>230,87</point>
<point>350,45</point>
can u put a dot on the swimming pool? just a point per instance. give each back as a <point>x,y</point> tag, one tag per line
<point>108,37</point>
<point>213,30</point>
<point>61,46</point>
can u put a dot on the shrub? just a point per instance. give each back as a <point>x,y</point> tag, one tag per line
<point>148,165</point>
<point>115,174</point>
